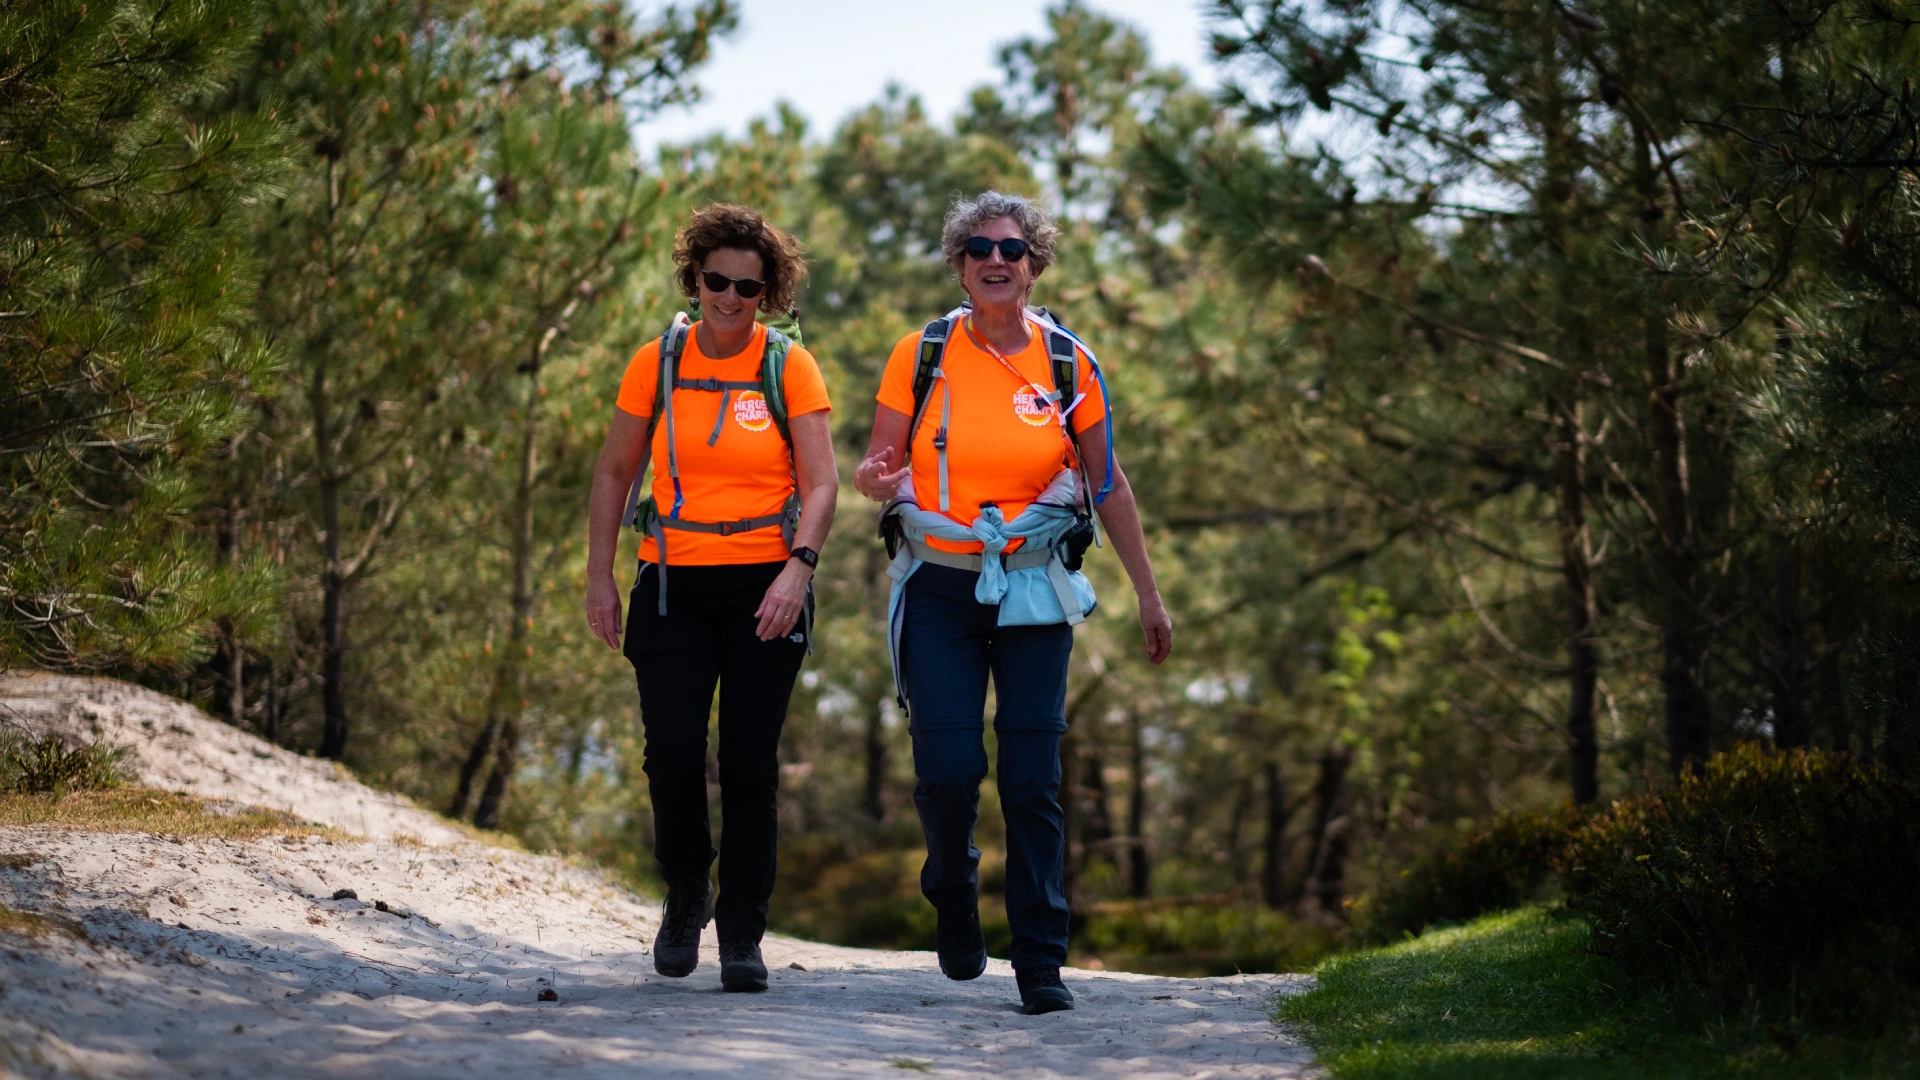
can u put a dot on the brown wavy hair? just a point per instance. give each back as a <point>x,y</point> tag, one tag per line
<point>726,225</point>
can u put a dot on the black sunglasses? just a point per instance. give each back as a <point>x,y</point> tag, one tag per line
<point>1012,248</point>
<point>716,282</point>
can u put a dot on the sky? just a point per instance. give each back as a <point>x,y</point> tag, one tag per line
<point>831,57</point>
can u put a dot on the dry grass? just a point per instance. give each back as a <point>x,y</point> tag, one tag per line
<point>167,813</point>
<point>31,924</point>
<point>484,837</point>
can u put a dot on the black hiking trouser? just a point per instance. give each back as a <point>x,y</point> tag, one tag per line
<point>707,638</point>
<point>949,644</point>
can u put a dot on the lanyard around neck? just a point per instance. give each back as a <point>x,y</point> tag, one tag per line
<point>975,337</point>
<point>1059,413</point>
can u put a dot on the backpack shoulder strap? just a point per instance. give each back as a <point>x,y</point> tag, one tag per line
<point>1065,361</point>
<point>673,343</point>
<point>773,379</point>
<point>933,345</point>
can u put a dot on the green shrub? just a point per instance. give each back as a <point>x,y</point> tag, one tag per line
<point>45,765</point>
<point>1200,938</point>
<point>1503,862</point>
<point>1782,883</point>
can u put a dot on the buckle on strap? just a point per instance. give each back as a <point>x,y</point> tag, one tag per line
<point>728,528</point>
<point>713,385</point>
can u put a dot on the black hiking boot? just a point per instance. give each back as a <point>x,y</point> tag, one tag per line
<point>961,946</point>
<point>1041,990</point>
<point>676,950</point>
<point>741,969</point>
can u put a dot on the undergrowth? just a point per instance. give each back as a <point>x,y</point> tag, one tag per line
<point>46,765</point>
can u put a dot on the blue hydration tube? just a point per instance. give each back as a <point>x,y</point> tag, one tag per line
<point>1100,377</point>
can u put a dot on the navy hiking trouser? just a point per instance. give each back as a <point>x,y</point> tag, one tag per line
<point>707,638</point>
<point>949,644</point>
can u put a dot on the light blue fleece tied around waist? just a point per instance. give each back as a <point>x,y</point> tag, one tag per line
<point>1030,596</point>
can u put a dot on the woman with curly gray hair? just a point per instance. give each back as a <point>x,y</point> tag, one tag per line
<point>991,453</point>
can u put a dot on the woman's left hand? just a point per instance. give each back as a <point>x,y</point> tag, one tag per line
<point>1157,625</point>
<point>786,598</point>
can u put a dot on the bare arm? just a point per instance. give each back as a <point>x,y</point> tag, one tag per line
<point>1121,515</point>
<point>819,483</point>
<point>880,474</point>
<point>622,457</point>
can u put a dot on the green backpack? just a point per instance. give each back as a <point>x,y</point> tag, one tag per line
<point>643,514</point>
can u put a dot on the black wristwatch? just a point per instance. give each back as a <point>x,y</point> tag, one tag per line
<point>806,555</point>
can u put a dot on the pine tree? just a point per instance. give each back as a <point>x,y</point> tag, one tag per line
<point>127,350</point>
<point>380,260</point>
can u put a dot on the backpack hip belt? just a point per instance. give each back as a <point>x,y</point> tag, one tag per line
<point>1027,557</point>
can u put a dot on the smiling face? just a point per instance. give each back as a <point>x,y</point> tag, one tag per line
<point>993,282</point>
<point>726,312</point>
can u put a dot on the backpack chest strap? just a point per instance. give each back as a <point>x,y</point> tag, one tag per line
<point>715,386</point>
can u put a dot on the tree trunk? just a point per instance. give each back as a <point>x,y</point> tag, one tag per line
<point>1274,855</point>
<point>507,698</point>
<point>1236,834</point>
<point>1576,562</point>
<point>236,680</point>
<point>1683,638</point>
<point>270,710</point>
<point>469,769</point>
<point>1789,685</point>
<point>333,694</point>
<point>1139,870</point>
<point>877,759</point>
<point>505,760</point>
<point>1096,825</point>
<point>333,734</point>
<point>1325,881</point>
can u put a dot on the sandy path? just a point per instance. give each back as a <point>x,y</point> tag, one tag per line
<point>218,958</point>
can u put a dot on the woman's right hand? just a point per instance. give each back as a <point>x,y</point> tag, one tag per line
<point>603,610</point>
<point>876,478</point>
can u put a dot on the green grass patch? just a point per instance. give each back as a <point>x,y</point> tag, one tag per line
<point>1517,995</point>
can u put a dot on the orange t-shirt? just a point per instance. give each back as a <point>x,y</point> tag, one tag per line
<point>1004,443</point>
<point>746,473</point>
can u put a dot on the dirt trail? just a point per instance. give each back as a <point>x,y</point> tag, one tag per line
<point>199,957</point>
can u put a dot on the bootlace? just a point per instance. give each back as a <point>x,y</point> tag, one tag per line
<point>1035,978</point>
<point>958,930</point>
<point>679,924</point>
<point>738,950</point>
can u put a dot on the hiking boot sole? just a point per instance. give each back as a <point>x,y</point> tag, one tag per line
<point>1047,999</point>
<point>743,978</point>
<point>965,968</point>
<point>676,963</point>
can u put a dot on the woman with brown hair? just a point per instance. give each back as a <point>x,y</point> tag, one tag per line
<point>738,415</point>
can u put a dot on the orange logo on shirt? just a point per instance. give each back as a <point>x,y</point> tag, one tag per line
<point>1032,406</point>
<point>750,411</point>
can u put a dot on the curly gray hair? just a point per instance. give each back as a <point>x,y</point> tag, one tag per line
<point>967,215</point>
